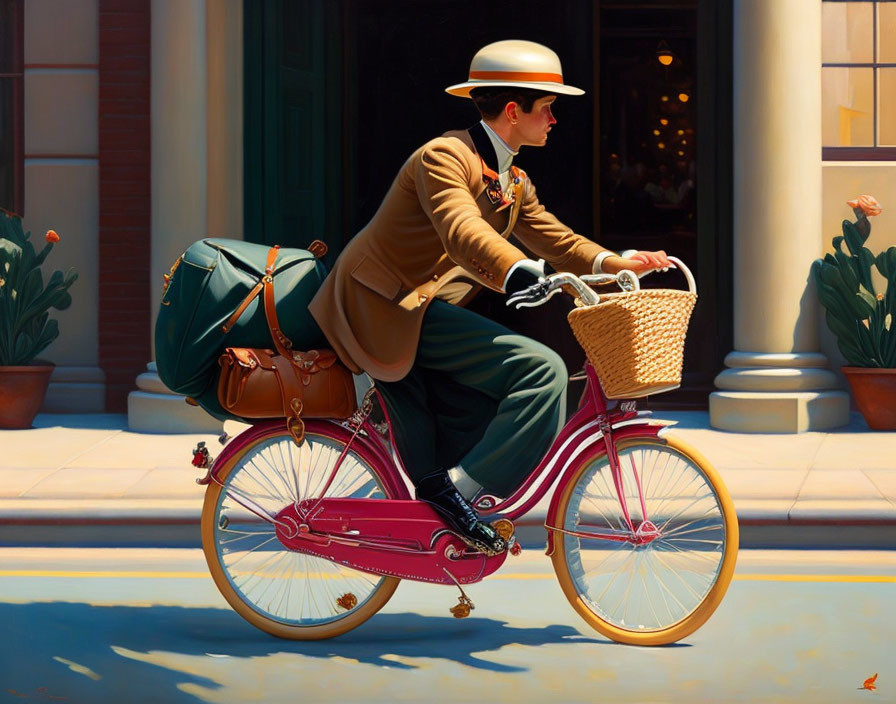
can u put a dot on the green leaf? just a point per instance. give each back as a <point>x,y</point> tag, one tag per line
<point>853,354</point>
<point>830,299</point>
<point>863,226</point>
<point>886,264</point>
<point>830,274</point>
<point>887,345</point>
<point>863,267</point>
<point>840,327</point>
<point>847,270</point>
<point>854,240</point>
<point>865,344</point>
<point>869,299</point>
<point>42,255</point>
<point>838,243</point>
<point>23,346</point>
<point>63,301</point>
<point>31,287</point>
<point>49,333</point>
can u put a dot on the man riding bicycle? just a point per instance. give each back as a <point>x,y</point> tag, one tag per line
<point>463,392</point>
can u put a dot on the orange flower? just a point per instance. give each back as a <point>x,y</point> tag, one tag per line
<point>867,204</point>
<point>52,236</point>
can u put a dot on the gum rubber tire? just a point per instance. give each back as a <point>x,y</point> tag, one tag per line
<point>699,615</point>
<point>210,520</point>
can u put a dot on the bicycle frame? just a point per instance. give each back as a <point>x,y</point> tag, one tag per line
<point>592,431</point>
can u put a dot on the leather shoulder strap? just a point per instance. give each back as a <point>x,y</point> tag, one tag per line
<point>281,341</point>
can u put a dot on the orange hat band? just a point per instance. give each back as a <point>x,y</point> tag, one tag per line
<point>516,76</point>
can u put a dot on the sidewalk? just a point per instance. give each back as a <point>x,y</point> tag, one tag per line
<point>87,480</point>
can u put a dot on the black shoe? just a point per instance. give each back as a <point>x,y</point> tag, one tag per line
<point>439,492</point>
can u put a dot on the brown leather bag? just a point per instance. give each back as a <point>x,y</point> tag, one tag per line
<point>258,383</point>
<point>262,383</point>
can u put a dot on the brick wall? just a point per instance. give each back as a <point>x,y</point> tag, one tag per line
<point>124,195</point>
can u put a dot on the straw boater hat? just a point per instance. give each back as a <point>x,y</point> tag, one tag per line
<point>516,63</point>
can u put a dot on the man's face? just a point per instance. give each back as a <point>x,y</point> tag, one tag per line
<point>533,127</point>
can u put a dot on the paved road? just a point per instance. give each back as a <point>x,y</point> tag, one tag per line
<point>143,625</point>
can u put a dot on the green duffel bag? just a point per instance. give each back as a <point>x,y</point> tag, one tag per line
<point>204,291</point>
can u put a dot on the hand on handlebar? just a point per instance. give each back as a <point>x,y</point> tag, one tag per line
<point>527,285</point>
<point>627,279</point>
<point>639,262</point>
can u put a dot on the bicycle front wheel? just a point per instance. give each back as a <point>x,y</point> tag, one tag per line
<point>663,590</point>
<point>286,593</point>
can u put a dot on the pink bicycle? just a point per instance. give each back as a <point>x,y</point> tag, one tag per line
<point>309,541</point>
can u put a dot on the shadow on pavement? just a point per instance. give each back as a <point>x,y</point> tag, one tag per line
<point>78,652</point>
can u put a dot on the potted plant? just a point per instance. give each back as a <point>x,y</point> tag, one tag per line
<point>25,325</point>
<point>860,317</point>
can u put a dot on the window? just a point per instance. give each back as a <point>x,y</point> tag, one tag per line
<point>858,80</point>
<point>11,105</point>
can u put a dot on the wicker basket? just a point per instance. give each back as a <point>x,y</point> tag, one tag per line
<point>635,340</point>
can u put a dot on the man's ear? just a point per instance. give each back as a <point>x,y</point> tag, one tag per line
<point>511,111</point>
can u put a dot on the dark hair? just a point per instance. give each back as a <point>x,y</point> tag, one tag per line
<point>492,99</point>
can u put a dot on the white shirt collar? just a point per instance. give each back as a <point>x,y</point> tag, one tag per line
<point>503,152</point>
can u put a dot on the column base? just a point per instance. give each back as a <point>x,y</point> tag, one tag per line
<point>76,390</point>
<point>778,412</point>
<point>155,409</point>
<point>777,393</point>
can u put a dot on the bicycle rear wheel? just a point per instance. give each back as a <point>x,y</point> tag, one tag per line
<point>661,591</point>
<point>286,593</point>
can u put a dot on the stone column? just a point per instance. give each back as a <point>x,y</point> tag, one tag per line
<point>197,142</point>
<point>179,195</point>
<point>776,381</point>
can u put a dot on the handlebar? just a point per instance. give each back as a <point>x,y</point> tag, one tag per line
<point>626,279</point>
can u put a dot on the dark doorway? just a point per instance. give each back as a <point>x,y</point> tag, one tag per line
<point>363,81</point>
<point>402,54</point>
<point>664,166</point>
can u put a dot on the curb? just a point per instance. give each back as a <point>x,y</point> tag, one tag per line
<point>175,523</point>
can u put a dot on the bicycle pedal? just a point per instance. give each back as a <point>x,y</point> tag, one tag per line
<point>463,608</point>
<point>347,601</point>
<point>504,528</point>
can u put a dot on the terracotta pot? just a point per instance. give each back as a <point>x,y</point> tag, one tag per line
<point>875,392</point>
<point>22,391</point>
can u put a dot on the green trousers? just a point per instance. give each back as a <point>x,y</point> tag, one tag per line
<point>479,396</point>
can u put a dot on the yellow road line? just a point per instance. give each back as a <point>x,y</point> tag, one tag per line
<point>105,574</point>
<point>120,574</point>
<point>815,577</point>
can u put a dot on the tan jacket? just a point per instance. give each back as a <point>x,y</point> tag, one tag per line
<point>437,234</point>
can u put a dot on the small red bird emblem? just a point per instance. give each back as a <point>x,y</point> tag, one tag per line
<point>869,683</point>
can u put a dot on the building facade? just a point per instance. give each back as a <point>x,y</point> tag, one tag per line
<point>730,133</point>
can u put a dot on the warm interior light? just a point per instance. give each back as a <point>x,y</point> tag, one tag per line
<point>656,132</point>
<point>680,132</point>
<point>684,141</point>
<point>684,97</point>
<point>661,145</point>
<point>680,153</point>
<point>663,54</point>
<point>665,98</point>
<point>664,121</point>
